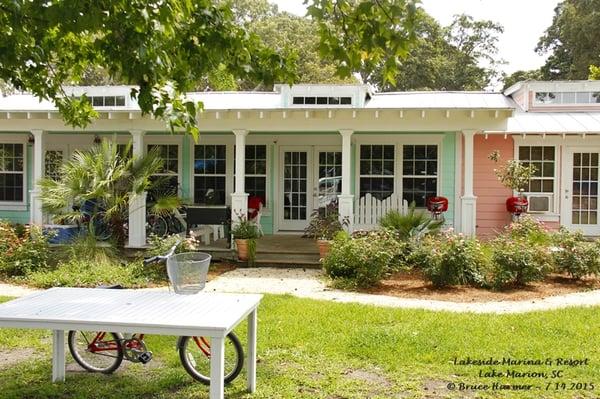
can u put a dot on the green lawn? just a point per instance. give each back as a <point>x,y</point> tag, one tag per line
<point>315,349</point>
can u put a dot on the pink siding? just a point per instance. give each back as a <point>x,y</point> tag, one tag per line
<point>491,195</point>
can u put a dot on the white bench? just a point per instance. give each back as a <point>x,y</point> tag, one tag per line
<point>205,314</point>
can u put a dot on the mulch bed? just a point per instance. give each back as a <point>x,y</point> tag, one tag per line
<point>413,285</point>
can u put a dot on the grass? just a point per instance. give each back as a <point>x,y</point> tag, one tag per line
<point>315,349</point>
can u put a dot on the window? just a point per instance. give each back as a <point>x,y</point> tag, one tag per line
<point>209,174</point>
<point>567,97</point>
<point>53,160</point>
<point>106,101</point>
<point>419,173</point>
<point>322,100</point>
<point>12,173</point>
<point>256,171</point>
<point>168,174</point>
<point>543,159</point>
<point>377,170</point>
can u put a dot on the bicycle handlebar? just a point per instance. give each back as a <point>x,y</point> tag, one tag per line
<point>162,258</point>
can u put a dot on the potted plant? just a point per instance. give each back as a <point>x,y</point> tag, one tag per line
<point>515,175</point>
<point>245,234</point>
<point>324,224</point>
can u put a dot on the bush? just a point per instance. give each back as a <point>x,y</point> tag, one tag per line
<point>574,255</point>
<point>530,229</point>
<point>515,261</point>
<point>450,259</point>
<point>85,273</point>
<point>415,224</point>
<point>24,249</point>
<point>360,262</point>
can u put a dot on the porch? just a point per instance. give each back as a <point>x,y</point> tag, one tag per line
<point>273,250</point>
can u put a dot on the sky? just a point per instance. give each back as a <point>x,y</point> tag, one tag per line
<point>524,21</point>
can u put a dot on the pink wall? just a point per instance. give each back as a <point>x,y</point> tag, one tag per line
<point>491,195</point>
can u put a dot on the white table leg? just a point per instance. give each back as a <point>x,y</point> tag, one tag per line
<point>58,355</point>
<point>217,365</point>
<point>252,351</point>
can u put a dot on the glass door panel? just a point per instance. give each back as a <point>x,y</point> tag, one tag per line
<point>329,174</point>
<point>296,181</point>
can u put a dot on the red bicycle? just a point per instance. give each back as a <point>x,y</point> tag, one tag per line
<point>103,352</point>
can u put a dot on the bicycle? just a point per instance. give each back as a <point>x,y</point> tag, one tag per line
<point>103,352</point>
<point>163,225</point>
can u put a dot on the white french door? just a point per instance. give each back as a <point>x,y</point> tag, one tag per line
<point>295,192</point>
<point>580,192</point>
<point>328,176</point>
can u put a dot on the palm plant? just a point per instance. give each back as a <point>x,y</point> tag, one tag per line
<point>413,225</point>
<point>110,178</point>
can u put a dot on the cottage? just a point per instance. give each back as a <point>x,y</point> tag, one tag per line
<point>300,147</point>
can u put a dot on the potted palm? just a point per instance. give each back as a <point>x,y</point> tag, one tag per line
<point>514,175</point>
<point>324,224</point>
<point>245,234</point>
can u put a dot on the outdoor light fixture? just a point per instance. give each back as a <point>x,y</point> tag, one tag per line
<point>30,139</point>
<point>97,139</point>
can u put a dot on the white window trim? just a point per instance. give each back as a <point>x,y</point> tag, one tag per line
<point>529,142</point>
<point>167,140</point>
<point>194,174</point>
<point>17,205</point>
<point>400,148</point>
<point>398,141</point>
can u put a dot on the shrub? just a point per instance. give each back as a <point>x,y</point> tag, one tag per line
<point>414,224</point>
<point>359,262</point>
<point>450,259</point>
<point>530,229</point>
<point>516,261</point>
<point>22,253</point>
<point>574,255</point>
<point>325,223</point>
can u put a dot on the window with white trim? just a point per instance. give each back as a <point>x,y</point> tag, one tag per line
<point>540,189</point>
<point>377,170</point>
<point>419,173</point>
<point>12,172</point>
<point>169,173</point>
<point>209,174</point>
<point>256,171</point>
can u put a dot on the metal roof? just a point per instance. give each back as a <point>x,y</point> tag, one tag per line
<point>441,100</point>
<point>554,122</point>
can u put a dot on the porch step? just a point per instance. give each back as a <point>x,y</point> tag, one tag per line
<point>288,259</point>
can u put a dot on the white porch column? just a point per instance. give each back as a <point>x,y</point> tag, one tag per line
<point>137,204</point>
<point>36,216</point>
<point>346,199</point>
<point>468,199</point>
<point>239,199</point>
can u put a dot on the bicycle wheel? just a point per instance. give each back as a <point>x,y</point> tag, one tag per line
<point>194,353</point>
<point>98,352</point>
<point>158,226</point>
<point>99,228</point>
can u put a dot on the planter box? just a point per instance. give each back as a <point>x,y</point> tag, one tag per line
<point>60,234</point>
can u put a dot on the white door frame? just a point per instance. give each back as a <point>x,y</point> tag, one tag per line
<point>299,225</point>
<point>566,191</point>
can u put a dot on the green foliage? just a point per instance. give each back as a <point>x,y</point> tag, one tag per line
<point>413,225</point>
<point>516,262</point>
<point>325,223</point>
<point>158,246</point>
<point>23,249</point>
<point>450,259</point>
<point>571,41</point>
<point>530,229</point>
<point>519,76</point>
<point>594,72</point>
<point>361,262</point>
<point>245,230</point>
<point>513,174</point>
<point>574,255</point>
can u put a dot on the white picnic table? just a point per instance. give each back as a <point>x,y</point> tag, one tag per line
<point>205,314</point>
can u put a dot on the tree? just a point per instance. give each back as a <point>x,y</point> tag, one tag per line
<point>594,72</point>
<point>461,56</point>
<point>165,47</point>
<point>572,40</point>
<point>110,179</point>
<point>518,76</point>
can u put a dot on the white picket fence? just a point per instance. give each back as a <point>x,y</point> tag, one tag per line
<point>368,210</point>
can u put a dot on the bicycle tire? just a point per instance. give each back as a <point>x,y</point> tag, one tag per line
<point>87,359</point>
<point>197,363</point>
<point>158,226</point>
<point>99,228</point>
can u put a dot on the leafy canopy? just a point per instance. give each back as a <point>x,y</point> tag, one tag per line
<point>164,47</point>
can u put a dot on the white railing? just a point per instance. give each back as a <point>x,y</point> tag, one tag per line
<point>368,210</point>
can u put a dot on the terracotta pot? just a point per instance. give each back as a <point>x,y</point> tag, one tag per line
<point>242,249</point>
<point>324,246</point>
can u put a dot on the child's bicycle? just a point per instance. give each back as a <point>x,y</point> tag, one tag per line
<point>103,352</point>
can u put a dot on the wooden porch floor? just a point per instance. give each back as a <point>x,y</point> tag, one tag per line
<point>277,249</point>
